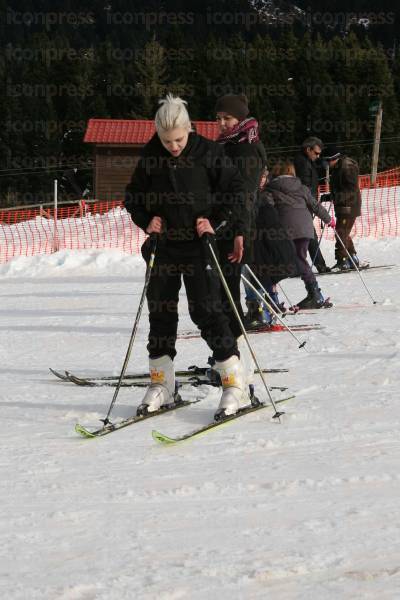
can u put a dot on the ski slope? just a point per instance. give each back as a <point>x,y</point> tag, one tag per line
<point>305,509</point>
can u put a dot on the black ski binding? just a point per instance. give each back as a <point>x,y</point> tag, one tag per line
<point>254,400</point>
<point>143,409</point>
<point>220,415</point>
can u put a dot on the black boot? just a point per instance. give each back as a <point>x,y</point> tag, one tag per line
<point>255,315</point>
<point>323,269</point>
<point>342,264</point>
<point>360,264</point>
<point>314,298</point>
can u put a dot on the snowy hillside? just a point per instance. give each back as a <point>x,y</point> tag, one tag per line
<point>305,509</point>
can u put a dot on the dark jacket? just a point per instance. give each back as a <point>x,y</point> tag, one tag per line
<point>345,191</point>
<point>201,182</point>
<point>294,203</point>
<point>274,253</point>
<point>250,160</point>
<point>307,172</point>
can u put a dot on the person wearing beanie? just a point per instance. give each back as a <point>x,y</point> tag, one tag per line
<point>331,154</point>
<point>346,197</point>
<point>235,105</point>
<point>239,133</point>
<point>305,163</point>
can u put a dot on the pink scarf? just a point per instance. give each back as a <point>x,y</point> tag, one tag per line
<point>246,131</point>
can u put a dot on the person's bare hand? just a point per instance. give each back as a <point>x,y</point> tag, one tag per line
<point>203,226</point>
<point>237,254</point>
<point>155,225</point>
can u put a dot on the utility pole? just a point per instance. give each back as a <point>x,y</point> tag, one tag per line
<point>377,141</point>
<point>55,235</point>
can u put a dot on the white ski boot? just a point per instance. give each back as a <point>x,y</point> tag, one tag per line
<point>246,359</point>
<point>161,391</point>
<point>235,391</point>
<point>248,367</point>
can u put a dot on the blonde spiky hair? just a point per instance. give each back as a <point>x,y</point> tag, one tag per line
<point>172,114</point>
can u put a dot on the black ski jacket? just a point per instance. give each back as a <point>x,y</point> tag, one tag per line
<point>307,172</point>
<point>250,160</point>
<point>274,252</point>
<point>201,182</point>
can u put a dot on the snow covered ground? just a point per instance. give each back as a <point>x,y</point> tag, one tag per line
<point>306,509</point>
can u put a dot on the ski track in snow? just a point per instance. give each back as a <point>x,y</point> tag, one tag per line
<point>255,510</point>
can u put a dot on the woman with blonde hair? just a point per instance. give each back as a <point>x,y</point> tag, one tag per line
<point>182,189</point>
<point>295,203</point>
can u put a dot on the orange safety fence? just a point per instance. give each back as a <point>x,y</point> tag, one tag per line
<point>99,225</point>
<point>380,210</point>
<point>107,225</point>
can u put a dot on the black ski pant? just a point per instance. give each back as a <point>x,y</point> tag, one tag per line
<point>344,225</point>
<point>232,273</point>
<point>315,252</point>
<point>203,293</point>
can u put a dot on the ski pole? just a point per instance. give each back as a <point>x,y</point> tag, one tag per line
<point>271,300</point>
<point>265,291</point>
<point>269,307</point>
<point>269,297</point>
<point>319,244</point>
<point>320,237</point>
<point>235,310</point>
<point>291,305</point>
<point>327,181</point>
<point>355,266</point>
<point>153,247</point>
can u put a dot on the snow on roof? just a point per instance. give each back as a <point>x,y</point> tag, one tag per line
<point>123,131</point>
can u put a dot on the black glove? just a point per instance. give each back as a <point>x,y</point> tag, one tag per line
<point>325,198</point>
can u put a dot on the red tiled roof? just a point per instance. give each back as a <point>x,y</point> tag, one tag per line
<point>119,131</point>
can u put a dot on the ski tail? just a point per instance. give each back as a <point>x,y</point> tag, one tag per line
<point>167,440</point>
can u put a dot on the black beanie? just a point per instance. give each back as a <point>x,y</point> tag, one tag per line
<point>235,105</point>
<point>331,153</point>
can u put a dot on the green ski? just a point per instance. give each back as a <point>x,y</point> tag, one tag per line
<point>165,439</point>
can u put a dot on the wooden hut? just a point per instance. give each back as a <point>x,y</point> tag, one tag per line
<point>117,145</point>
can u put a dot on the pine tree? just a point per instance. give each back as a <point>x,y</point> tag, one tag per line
<point>378,84</point>
<point>151,79</point>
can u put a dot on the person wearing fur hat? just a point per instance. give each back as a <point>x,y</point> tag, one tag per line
<point>346,197</point>
<point>239,133</point>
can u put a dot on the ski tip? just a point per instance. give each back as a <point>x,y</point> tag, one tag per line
<point>83,431</point>
<point>161,438</point>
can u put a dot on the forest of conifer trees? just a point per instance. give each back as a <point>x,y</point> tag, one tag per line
<point>115,59</point>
